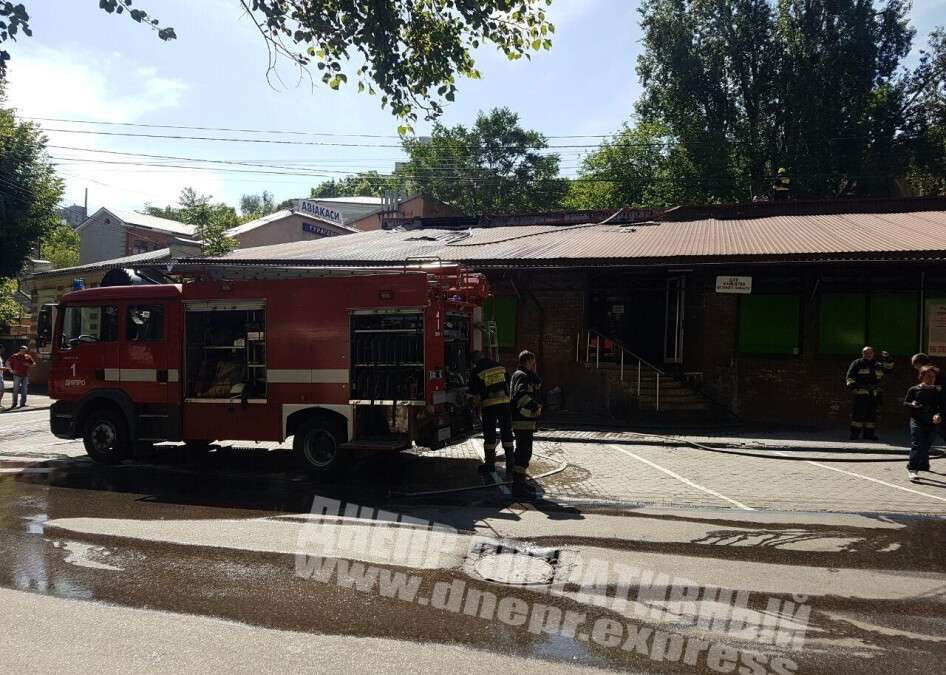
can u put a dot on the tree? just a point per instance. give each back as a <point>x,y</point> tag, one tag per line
<point>495,166</point>
<point>748,86</point>
<point>10,309</point>
<point>411,53</point>
<point>363,184</point>
<point>15,19</point>
<point>168,212</point>
<point>925,120</point>
<point>257,206</point>
<point>29,190</point>
<point>60,246</point>
<point>641,167</point>
<point>210,221</point>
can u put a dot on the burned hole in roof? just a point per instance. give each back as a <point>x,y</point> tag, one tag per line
<point>425,237</point>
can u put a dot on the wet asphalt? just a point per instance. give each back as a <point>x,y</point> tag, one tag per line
<point>259,588</point>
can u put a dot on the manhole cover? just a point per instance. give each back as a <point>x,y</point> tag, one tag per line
<point>515,568</point>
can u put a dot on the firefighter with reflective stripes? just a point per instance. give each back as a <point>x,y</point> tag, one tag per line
<point>525,389</point>
<point>864,378</point>
<point>489,386</point>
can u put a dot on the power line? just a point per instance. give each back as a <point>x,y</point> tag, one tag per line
<point>445,167</point>
<point>332,134</point>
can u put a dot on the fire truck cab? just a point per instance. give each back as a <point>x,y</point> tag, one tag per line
<point>339,359</point>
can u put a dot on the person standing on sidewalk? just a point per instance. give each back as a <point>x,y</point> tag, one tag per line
<point>864,378</point>
<point>925,401</point>
<point>525,391</point>
<point>21,364</point>
<point>3,369</point>
<point>489,386</point>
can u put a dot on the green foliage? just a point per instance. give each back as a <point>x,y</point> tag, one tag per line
<point>639,167</point>
<point>256,206</point>
<point>168,212</point>
<point>410,53</point>
<point>363,184</point>
<point>210,221</point>
<point>495,166</point>
<point>9,308</point>
<point>747,86</point>
<point>14,19</point>
<point>60,246</point>
<point>925,114</point>
<point>29,190</point>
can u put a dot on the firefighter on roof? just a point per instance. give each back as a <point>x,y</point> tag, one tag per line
<point>525,389</point>
<point>781,185</point>
<point>864,378</point>
<point>489,385</point>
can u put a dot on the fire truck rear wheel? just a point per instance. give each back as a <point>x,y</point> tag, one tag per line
<point>316,445</point>
<point>106,437</point>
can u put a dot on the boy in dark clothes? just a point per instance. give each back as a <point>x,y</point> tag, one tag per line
<point>925,401</point>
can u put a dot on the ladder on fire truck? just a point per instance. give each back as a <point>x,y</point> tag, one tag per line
<point>492,340</point>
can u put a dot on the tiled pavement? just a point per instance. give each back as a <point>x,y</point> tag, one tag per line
<point>809,473</point>
<point>799,475</point>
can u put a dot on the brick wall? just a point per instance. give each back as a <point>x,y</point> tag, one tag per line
<point>805,390</point>
<point>551,310</point>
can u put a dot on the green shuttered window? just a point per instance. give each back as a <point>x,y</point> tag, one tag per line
<point>842,323</point>
<point>506,319</point>
<point>886,321</point>
<point>893,319</point>
<point>769,324</point>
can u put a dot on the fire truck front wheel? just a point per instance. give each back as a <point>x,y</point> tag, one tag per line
<point>106,437</point>
<point>317,447</point>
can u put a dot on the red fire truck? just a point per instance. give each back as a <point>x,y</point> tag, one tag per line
<point>339,359</point>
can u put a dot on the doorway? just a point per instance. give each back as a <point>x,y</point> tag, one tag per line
<point>646,314</point>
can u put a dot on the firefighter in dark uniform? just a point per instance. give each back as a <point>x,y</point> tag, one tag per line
<point>864,378</point>
<point>525,390</point>
<point>489,385</point>
<point>781,185</point>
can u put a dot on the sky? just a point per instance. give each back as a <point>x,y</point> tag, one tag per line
<point>83,64</point>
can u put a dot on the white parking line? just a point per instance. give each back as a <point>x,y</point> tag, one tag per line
<point>872,480</point>
<point>681,478</point>
<point>25,470</point>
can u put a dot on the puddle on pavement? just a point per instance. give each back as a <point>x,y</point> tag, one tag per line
<point>34,524</point>
<point>86,555</point>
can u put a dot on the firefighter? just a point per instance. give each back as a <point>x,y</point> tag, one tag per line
<point>489,386</point>
<point>525,391</point>
<point>781,185</point>
<point>864,377</point>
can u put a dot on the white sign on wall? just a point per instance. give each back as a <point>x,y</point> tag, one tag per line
<point>936,323</point>
<point>742,285</point>
<point>319,211</point>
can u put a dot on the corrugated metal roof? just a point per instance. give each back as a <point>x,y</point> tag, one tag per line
<point>151,257</point>
<point>279,215</point>
<point>151,222</point>
<point>853,234</point>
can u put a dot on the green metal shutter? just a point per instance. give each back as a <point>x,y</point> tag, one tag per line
<point>893,322</point>
<point>769,324</point>
<point>842,322</point>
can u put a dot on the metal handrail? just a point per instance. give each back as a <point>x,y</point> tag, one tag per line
<point>641,362</point>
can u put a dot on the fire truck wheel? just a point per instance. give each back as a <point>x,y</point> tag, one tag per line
<point>106,437</point>
<point>316,445</point>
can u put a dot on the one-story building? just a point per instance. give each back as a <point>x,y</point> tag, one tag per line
<point>304,221</point>
<point>757,308</point>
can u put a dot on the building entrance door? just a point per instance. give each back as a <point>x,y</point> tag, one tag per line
<point>646,314</point>
<point>673,323</point>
